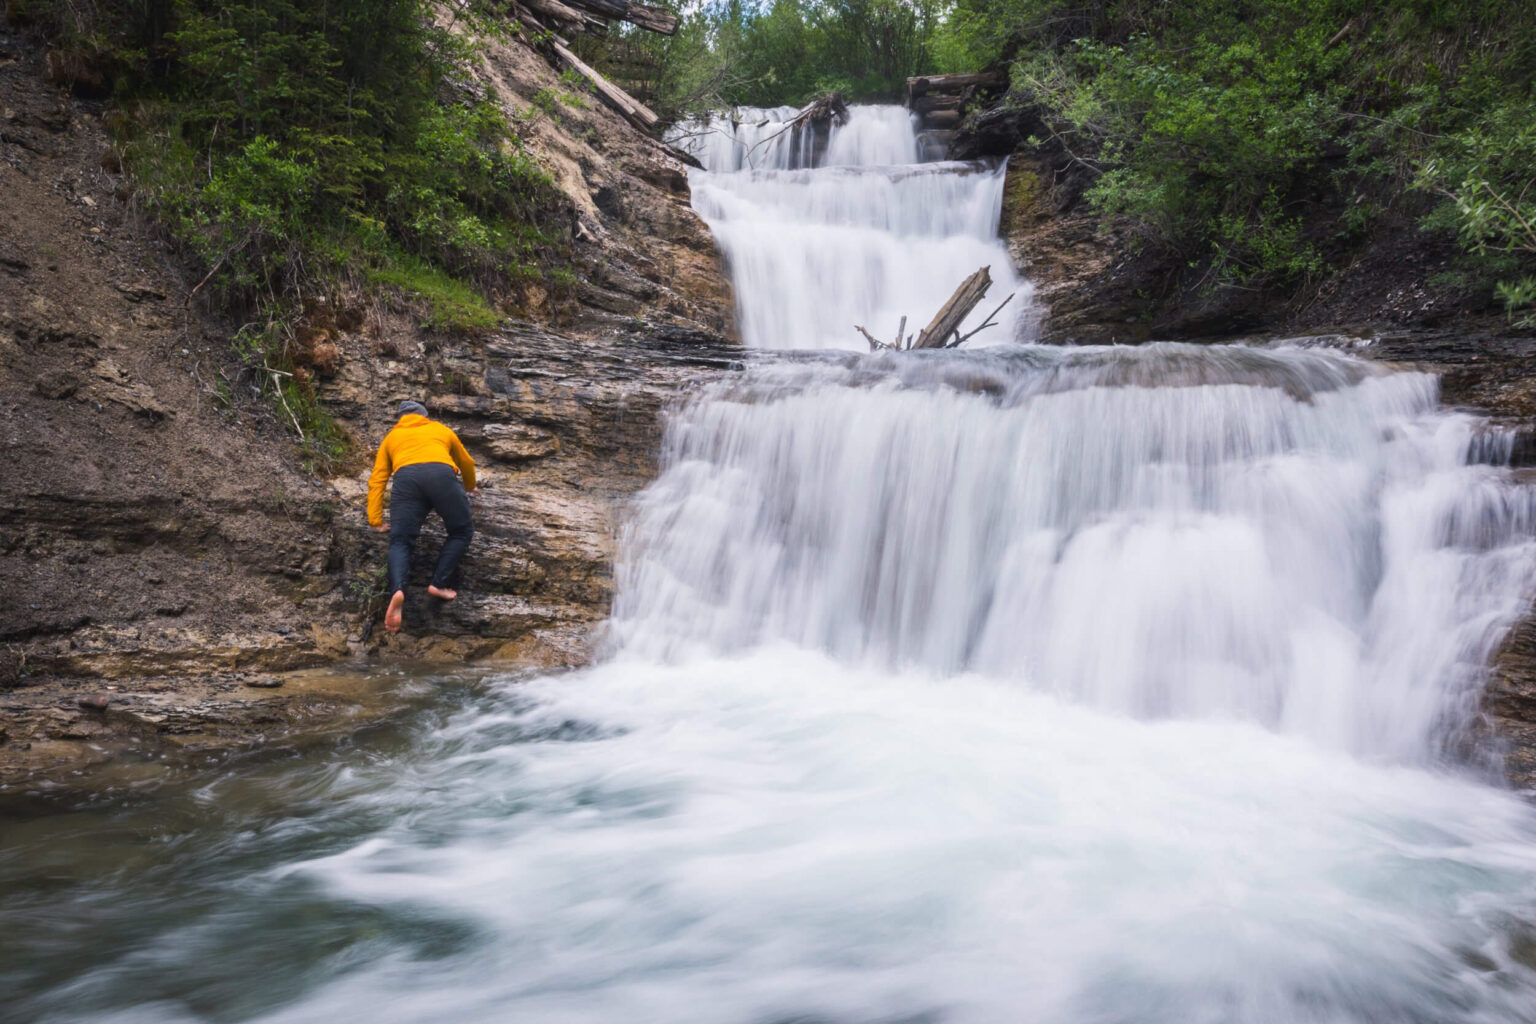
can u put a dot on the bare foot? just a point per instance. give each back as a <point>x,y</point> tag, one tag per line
<point>442,592</point>
<point>396,613</point>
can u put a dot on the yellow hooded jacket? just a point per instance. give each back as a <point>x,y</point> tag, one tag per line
<point>414,439</point>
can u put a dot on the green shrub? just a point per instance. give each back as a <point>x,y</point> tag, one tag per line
<point>300,147</point>
<point>288,141</point>
<point>1252,138</point>
<point>1486,174</point>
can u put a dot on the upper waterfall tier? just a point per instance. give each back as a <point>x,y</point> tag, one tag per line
<point>864,237</point>
<point>760,138</point>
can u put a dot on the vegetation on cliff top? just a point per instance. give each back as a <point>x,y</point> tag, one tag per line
<point>303,148</point>
<point>1255,144</point>
<point>1259,140</point>
<point>729,52</point>
<point>290,142</point>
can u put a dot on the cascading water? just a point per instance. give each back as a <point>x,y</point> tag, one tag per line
<point>1070,686</point>
<point>865,237</point>
<point>1292,538</point>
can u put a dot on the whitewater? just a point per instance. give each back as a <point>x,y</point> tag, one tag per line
<point>1015,683</point>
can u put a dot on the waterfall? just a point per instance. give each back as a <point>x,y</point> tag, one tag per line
<point>865,237</point>
<point>1289,537</point>
<point>1008,683</point>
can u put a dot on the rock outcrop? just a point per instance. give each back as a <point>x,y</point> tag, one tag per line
<point>163,544</point>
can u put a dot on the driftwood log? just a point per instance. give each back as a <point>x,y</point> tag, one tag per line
<point>637,113</point>
<point>594,15</point>
<point>943,331</point>
<point>939,101</point>
<point>824,111</point>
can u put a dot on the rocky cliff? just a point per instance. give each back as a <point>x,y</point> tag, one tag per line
<point>166,559</point>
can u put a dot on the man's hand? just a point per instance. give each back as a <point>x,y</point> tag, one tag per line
<point>472,491</point>
<point>381,528</point>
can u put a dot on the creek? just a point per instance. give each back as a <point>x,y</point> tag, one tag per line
<point>1009,683</point>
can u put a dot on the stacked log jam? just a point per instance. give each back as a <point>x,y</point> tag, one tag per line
<point>940,103</point>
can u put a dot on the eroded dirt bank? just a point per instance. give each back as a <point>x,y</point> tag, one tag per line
<point>171,573</point>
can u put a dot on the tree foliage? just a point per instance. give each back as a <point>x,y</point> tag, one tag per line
<point>303,147</point>
<point>290,143</point>
<point>1252,138</point>
<point>730,52</point>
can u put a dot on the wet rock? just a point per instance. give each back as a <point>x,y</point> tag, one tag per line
<point>94,701</point>
<point>263,683</point>
<point>1086,288</point>
<point>329,642</point>
<point>85,729</point>
<point>191,556</point>
<point>1522,945</point>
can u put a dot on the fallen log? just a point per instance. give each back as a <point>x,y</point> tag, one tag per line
<point>935,102</point>
<point>948,319</point>
<point>946,322</point>
<point>563,14</point>
<point>653,18</point>
<point>826,110</point>
<point>638,113</point>
<point>925,84</point>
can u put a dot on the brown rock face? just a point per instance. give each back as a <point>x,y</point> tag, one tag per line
<point>161,541</point>
<point>1084,283</point>
<point>562,431</point>
<point>1510,702</point>
<point>641,249</point>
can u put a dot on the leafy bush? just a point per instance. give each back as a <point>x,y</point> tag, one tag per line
<point>1251,138</point>
<point>297,147</point>
<point>287,142</point>
<point>1486,173</point>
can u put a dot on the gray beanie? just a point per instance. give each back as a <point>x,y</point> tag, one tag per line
<point>409,406</point>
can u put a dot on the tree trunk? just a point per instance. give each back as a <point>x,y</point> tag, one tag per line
<point>948,319</point>
<point>638,113</point>
<point>653,18</point>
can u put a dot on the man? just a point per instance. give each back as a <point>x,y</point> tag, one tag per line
<point>422,454</point>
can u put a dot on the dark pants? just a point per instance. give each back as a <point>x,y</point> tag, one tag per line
<point>418,490</point>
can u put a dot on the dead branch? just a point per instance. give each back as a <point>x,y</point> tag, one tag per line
<point>875,344</point>
<point>829,108</point>
<point>948,319</point>
<point>946,322</point>
<point>988,322</point>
